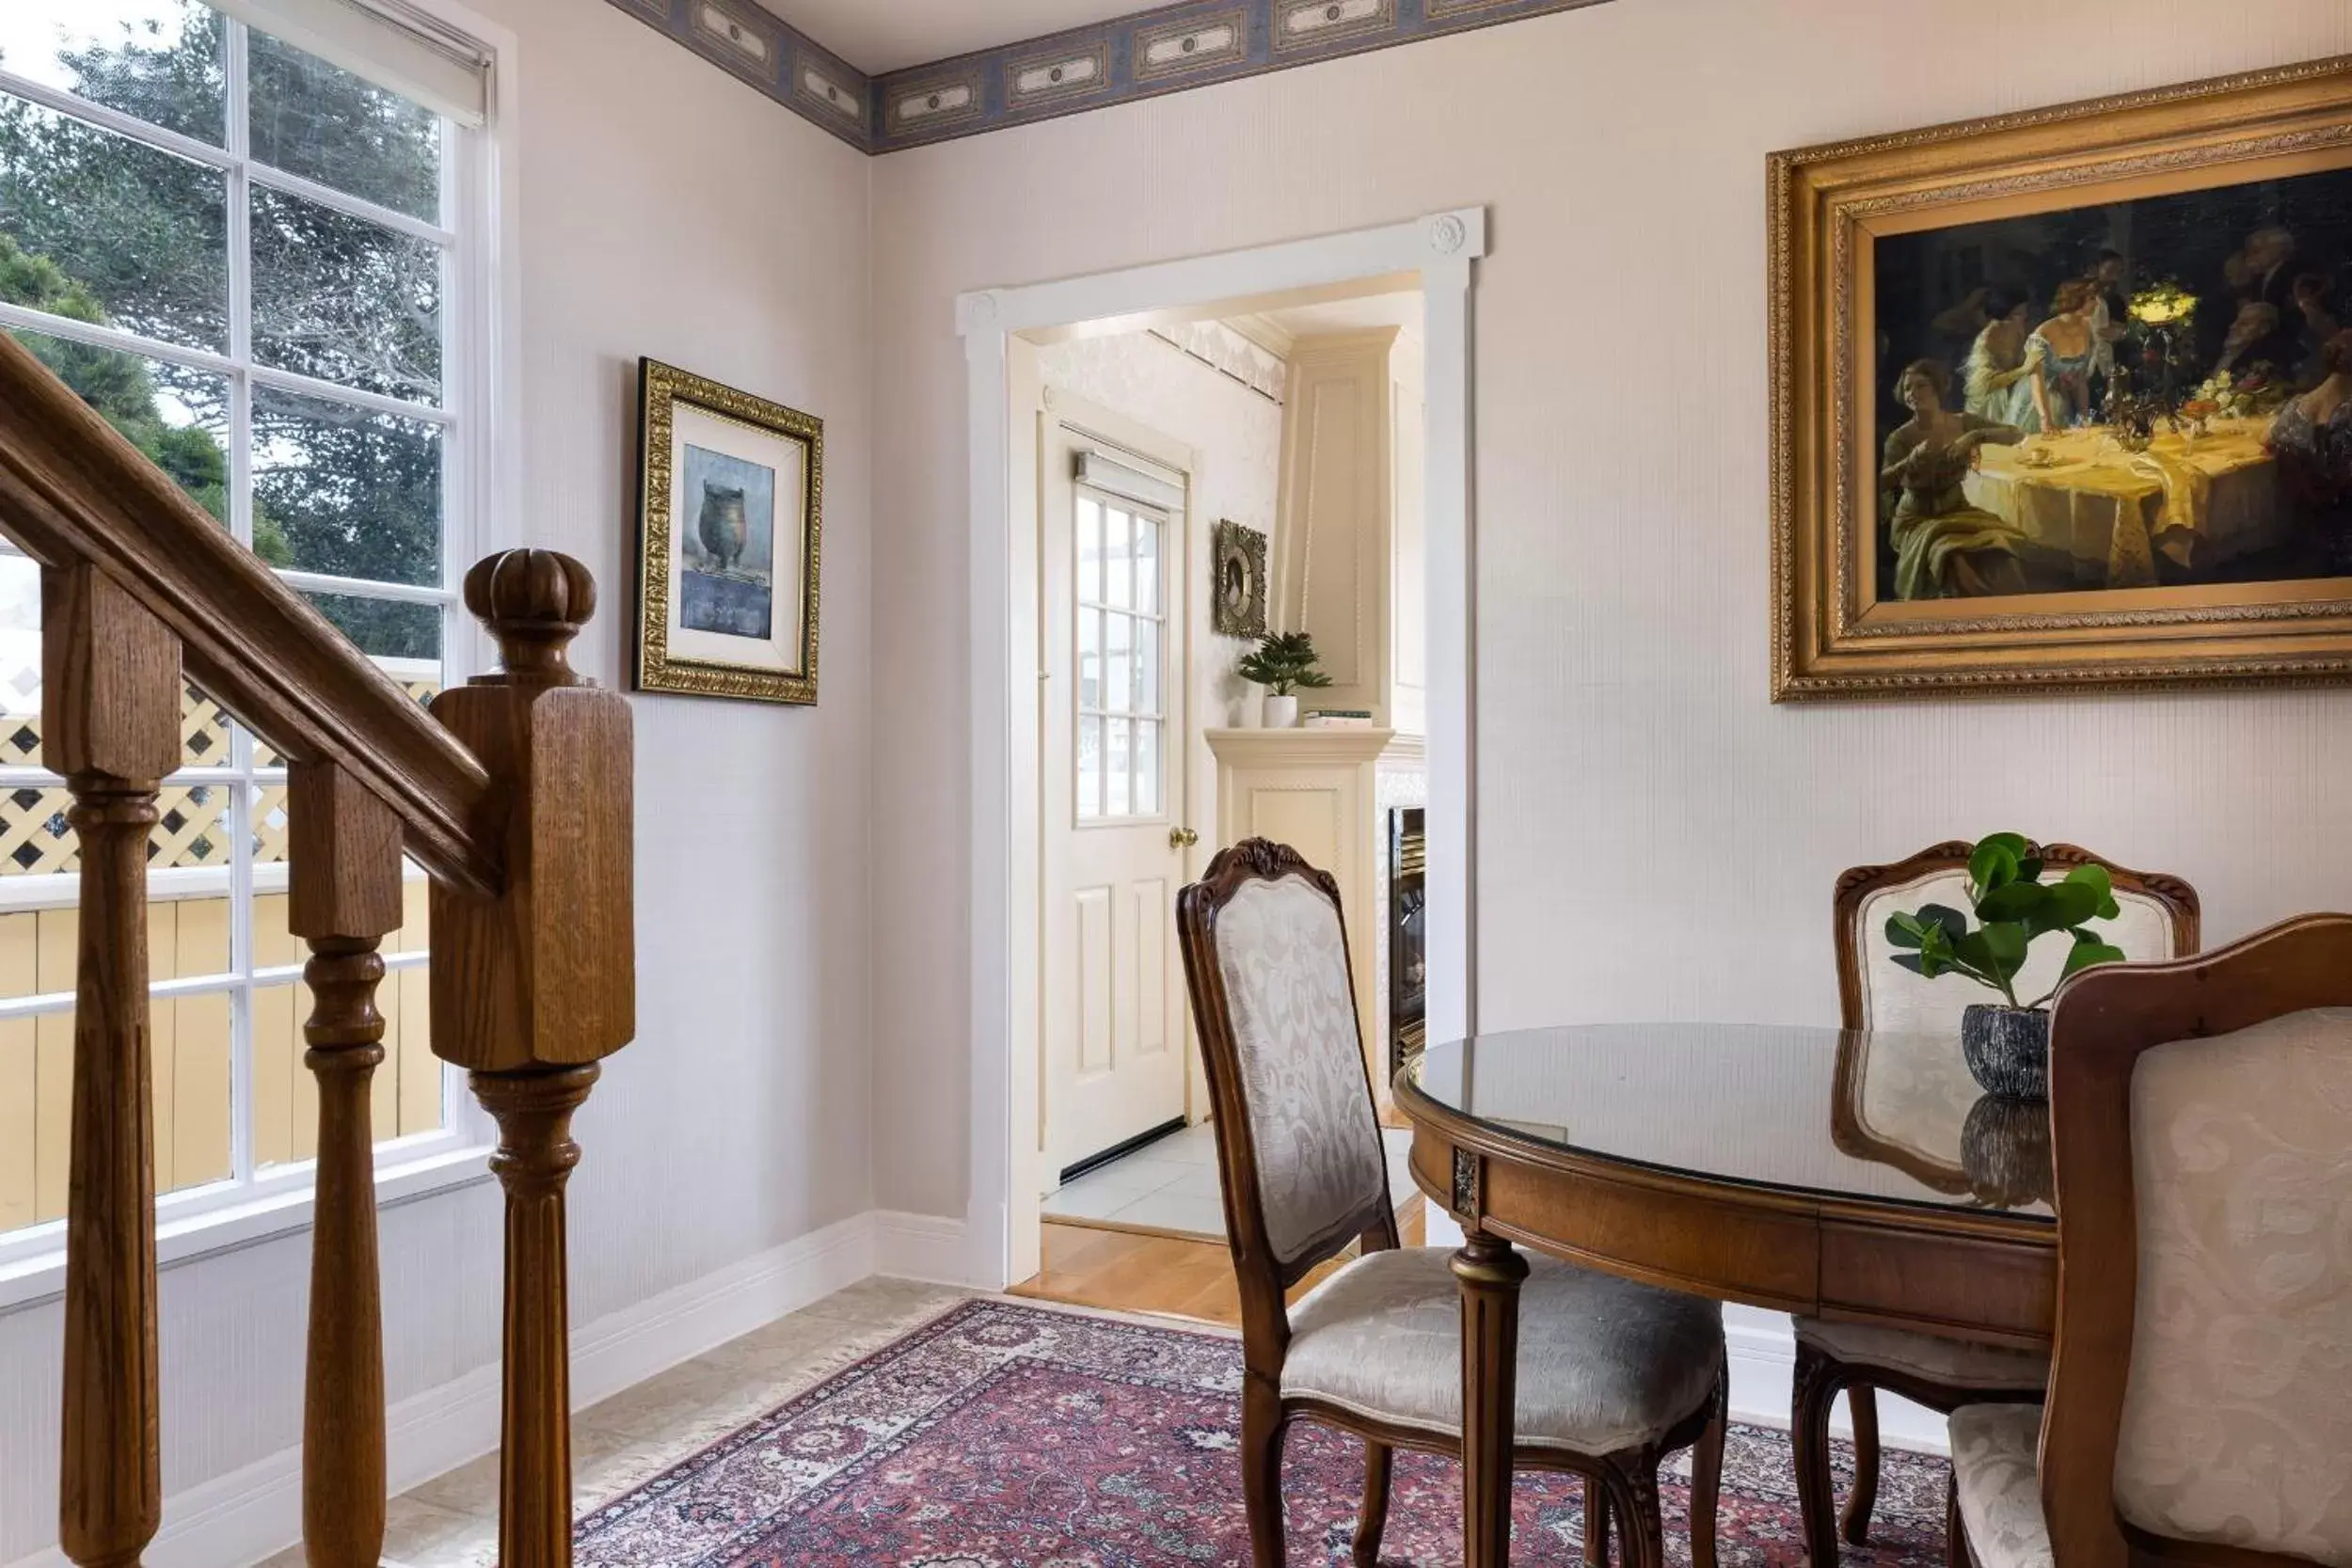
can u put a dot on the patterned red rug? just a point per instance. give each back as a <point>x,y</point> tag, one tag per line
<point>1004,1436</point>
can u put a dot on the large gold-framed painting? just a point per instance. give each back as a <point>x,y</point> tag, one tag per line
<point>2064,399</point>
<point>729,510</point>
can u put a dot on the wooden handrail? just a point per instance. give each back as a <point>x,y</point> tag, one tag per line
<point>514,790</point>
<point>73,491</point>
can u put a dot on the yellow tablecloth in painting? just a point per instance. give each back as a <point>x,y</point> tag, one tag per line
<point>2109,511</point>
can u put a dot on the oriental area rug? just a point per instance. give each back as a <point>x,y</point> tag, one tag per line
<point>1005,1434</point>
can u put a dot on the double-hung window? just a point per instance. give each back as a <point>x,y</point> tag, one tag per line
<point>251,234</point>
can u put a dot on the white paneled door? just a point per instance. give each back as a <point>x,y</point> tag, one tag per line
<point>1111,536</point>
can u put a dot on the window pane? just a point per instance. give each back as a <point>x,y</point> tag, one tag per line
<point>1148,667</point>
<point>106,229</point>
<point>345,491</point>
<point>1117,664</point>
<point>189,830</point>
<point>1147,766</point>
<point>386,630</point>
<point>1089,533</point>
<point>36,1085</point>
<point>1090,659</point>
<point>267,819</point>
<point>408,1085</point>
<point>34,838</point>
<point>1148,565</point>
<point>1118,580</point>
<point>178,417</point>
<point>1117,761</point>
<point>159,60</point>
<point>285,1095</point>
<point>345,300</point>
<point>190,1043</point>
<point>188,938</point>
<point>319,121</point>
<point>1090,787</point>
<point>204,726</point>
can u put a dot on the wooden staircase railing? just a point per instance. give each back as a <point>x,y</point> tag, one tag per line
<point>514,794</point>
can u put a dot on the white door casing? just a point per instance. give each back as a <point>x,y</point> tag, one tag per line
<point>1000,1219</point>
<point>1113,570</point>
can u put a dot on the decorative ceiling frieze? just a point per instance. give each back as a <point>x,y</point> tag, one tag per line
<point>1170,49</point>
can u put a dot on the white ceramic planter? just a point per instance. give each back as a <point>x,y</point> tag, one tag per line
<point>1281,713</point>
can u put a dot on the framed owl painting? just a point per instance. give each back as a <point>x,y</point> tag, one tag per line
<point>729,506</point>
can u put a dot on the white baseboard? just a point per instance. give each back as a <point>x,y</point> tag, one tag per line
<point>922,1247</point>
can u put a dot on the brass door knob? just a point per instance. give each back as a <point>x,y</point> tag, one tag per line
<point>1182,838</point>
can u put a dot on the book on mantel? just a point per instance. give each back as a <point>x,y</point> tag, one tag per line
<point>1337,719</point>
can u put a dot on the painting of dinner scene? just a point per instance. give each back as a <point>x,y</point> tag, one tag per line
<point>2144,394</point>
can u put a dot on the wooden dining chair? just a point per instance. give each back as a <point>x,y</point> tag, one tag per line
<point>2200,1408</point>
<point>2159,920</point>
<point>1612,1375</point>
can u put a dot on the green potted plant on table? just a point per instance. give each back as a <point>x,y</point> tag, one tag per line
<point>2007,1043</point>
<point>1284,663</point>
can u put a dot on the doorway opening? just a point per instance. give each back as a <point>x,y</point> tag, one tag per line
<point>1166,463</point>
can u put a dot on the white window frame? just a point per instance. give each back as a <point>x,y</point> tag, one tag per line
<point>480,415</point>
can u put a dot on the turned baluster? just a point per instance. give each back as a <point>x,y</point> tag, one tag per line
<point>531,989</point>
<point>110,723</point>
<point>346,897</point>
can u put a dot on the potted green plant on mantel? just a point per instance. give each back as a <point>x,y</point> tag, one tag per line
<point>2007,1043</point>
<point>1284,663</point>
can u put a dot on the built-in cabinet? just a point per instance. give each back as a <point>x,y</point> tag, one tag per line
<point>1349,572</point>
<point>1319,792</point>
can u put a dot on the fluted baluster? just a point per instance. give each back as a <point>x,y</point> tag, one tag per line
<point>110,723</point>
<point>346,888</point>
<point>531,989</point>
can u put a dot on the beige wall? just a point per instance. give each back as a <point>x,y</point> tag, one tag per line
<point>1634,779</point>
<point>666,210</point>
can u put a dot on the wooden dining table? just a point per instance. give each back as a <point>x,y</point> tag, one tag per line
<point>1835,1173</point>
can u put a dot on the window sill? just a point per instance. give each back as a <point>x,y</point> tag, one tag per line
<point>31,1281</point>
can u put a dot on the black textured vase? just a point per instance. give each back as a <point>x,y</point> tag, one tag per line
<point>2008,1050</point>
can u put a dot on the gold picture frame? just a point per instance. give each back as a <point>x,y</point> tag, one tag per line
<point>730,513</point>
<point>1836,215</point>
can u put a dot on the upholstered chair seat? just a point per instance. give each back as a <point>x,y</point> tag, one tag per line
<point>1605,1364</point>
<point>1999,1485</point>
<point>1956,1363</point>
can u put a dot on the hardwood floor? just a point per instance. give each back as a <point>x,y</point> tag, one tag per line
<point>1129,1273</point>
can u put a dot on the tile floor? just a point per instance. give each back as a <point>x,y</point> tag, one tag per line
<point>1171,1187</point>
<point>452,1521</point>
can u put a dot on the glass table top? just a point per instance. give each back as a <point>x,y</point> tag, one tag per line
<point>1884,1118</point>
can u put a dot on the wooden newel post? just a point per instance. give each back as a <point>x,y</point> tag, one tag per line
<point>533,988</point>
<point>346,897</point>
<point>111,724</point>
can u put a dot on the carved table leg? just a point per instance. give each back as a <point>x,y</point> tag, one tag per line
<point>1490,1273</point>
<point>535,1156</point>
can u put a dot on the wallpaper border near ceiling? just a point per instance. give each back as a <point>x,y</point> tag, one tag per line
<point>1192,44</point>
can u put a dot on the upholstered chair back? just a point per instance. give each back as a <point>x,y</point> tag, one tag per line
<point>2159,920</point>
<point>2223,1087</point>
<point>2237,1418</point>
<point>1298,1141</point>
